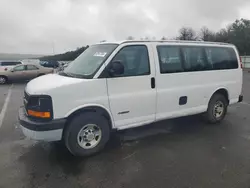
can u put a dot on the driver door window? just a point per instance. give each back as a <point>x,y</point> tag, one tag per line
<point>19,68</point>
<point>134,59</point>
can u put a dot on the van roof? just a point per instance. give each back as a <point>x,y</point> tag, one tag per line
<point>167,41</point>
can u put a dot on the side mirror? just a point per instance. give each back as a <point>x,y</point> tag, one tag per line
<point>116,68</point>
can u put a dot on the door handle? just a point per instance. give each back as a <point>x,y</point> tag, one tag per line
<point>152,82</point>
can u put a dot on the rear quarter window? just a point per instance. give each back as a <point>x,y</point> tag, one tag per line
<point>221,58</point>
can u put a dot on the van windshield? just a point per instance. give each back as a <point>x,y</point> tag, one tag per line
<point>89,62</point>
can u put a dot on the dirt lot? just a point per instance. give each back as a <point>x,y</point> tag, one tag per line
<point>179,153</point>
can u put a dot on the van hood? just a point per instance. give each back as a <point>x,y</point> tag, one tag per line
<point>47,82</point>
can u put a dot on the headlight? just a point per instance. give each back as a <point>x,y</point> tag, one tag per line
<point>40,107</point>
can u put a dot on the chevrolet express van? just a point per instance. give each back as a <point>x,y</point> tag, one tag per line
<point>121,85</point>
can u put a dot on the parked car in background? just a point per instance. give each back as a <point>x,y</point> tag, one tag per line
<point>31,61</point>
<point>23,72</point>
<point>5,65</point>
<point>66,64</point>
<point>50,64</point>
<point>63,65</point>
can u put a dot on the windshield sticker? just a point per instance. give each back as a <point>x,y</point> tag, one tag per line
<point>100,54</point>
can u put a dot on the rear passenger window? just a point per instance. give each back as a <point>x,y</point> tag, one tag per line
<point>221,58</point>
<point>195,59</point>
<point>170,59</point>
<point>31,67</point>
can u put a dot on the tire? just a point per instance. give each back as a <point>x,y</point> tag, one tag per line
<point>219,102</point>
<point>3,80</point>
<point>76,144</point>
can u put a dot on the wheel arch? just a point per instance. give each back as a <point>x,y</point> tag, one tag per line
<point>222,91</point>
<point>101,110</point>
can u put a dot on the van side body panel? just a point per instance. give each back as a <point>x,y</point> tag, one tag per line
<point>198,87</point>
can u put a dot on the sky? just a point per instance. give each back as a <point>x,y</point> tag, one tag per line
<point>56,26</point>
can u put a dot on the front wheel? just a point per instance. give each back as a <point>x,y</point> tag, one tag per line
<point>3,80</point>
<point>87,134</point>
<point>217,109</point>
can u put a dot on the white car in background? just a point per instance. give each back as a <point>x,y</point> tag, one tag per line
<point>6,65</point>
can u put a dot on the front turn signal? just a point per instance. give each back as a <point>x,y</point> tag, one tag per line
<point>39,114</point>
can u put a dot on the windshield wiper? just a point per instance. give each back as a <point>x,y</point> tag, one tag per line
<point>65,74</point>
<point>72,75</point>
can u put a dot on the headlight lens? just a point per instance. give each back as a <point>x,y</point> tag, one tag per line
<point>40,107</point>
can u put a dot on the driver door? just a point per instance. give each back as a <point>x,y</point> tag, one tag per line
<point>32,72</point>
<point>132,95</point>
<point>18,73</point>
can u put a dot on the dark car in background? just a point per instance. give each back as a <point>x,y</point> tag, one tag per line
<point>50,64</point>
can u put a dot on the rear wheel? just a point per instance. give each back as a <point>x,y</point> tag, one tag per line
<point>3,80</point>
<point>87,134</point>
<point>217,109</point>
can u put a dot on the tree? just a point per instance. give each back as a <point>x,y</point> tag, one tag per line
<point>68,56</point>
<point>206,35</point>
<point>187,33</point>
<point>223,35</point>
<point>239,35</point>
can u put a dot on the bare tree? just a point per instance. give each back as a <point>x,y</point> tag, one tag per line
<point>186,33</point>
<point>206,35</point>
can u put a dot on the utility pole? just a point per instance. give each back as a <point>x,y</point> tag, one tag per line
<point>53,48</point>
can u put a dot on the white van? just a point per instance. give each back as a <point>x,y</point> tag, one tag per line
<point>128,84</point>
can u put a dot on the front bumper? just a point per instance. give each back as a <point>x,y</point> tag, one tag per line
<point>36,130</point>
